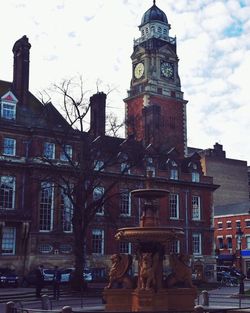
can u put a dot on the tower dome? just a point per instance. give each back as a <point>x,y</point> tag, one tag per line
<point>154,14</point>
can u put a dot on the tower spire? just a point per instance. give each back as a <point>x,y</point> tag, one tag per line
<point>153,2</point>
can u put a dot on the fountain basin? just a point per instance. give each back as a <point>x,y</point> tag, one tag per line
<point>149,234</point>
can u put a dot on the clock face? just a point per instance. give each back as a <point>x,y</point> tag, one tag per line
<point>167,69</point>
<point>139,70</point>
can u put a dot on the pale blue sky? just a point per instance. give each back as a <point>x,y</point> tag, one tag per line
<point>95,38</point>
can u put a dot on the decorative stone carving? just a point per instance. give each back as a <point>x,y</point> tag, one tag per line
<point>181,272</point>
<point>118,277</point>
<point>148,266</point>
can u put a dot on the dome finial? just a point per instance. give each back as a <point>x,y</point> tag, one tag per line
<point>153,2</point>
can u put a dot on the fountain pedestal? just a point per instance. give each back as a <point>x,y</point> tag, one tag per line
<point>129,300</point>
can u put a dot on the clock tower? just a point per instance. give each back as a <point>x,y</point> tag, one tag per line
<point>155,108</point>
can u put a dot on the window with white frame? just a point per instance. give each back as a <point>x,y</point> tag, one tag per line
<point>125,202</point>
<point>229,224</point>
<point>66,153</point>
<point>7,192</point>
<point>174,205</point>
<point>125,247</point>
<point>9,241</point>
<point>150,166</point>
<point>196,208</point>
<point>195,177</point>
<point>98,199</point>
<point>46,207</point>
<point>248,242</point>
<point>175,246</point>
<point>98,241</point>
<point>220,242</point>
<point>247,223</point>
<point>8,110</point>
<point>229,243</point>
<point>66,211</point>
<point>174,174</point>
<point>49,150</point>
<point>173,168</point>
<point>9,146</point>
<point>196,243</point>
<point>220,225</point>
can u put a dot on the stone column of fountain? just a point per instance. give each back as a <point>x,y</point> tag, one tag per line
<point>149,293</point>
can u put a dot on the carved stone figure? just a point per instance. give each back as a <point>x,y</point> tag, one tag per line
<point>181,272</point>
<point>148,265</point>
<point>118,277</point>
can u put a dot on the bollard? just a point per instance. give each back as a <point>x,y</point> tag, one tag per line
<point>46,304</point>
<point>198,309</point>
<point>205,298</point>
<point>67,309</point>
<point>10,307</point>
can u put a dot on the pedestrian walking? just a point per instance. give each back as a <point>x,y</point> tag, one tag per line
<point>56,283</point>
<point>39,281</point>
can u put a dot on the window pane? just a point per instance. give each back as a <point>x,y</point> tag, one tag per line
<point>46,207</point>
<point>196,208</point>
<point>229,243</point>
<point>98,241</point>
<point>9,111</point>
<point>196,243</point>
<point>174,205</point>
<point>125,202</point>
<point>125,247</point>
<point>49,150</point>
<point>195,177</point>
<point>9,146</point>
<point>98,198</point>
<point>66,153</point>
<point>8,240</point>
<point>7,192</point>
<point>175,246</point>
<point>173,174</point>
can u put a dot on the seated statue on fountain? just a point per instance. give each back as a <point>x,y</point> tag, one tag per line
<point>181,272</point>
<point>118,274</point>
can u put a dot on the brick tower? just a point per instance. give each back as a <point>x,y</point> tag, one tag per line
<point>155,108</point>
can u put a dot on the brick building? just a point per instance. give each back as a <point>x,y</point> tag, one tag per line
<point>230,174</point>
<point>228,219</point>
<point>35,216</point>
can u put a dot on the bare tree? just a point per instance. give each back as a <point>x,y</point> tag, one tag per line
<point>95,161</point>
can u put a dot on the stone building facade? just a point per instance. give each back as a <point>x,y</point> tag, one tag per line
<point>35,216</point>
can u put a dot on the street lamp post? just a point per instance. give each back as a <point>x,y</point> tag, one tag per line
<point>240,234</point>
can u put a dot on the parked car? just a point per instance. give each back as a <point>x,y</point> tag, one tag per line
<point>67,273</point>
<point>30,278</point>
<point>8,277</point>
<point>221,270</point>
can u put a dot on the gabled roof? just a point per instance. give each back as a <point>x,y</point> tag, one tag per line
<point>34,114</point>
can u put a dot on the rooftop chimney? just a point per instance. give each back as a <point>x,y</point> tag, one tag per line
<point>98,114</point>
<point>21,51</point>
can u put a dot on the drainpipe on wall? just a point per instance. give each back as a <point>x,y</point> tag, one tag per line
<point>186,221</point>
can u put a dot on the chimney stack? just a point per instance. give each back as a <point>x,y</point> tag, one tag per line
<point>21,51</point>
<point>98,114</point>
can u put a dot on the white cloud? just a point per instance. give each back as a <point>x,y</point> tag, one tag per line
<point>95,38</point>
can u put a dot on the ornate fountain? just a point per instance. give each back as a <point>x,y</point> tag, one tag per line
<point>148,291</point>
